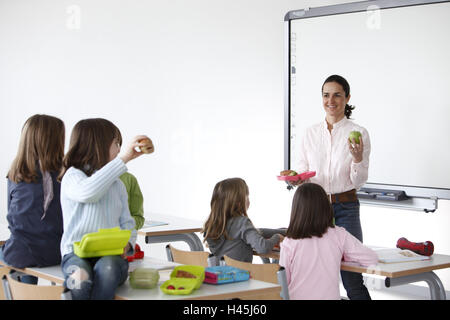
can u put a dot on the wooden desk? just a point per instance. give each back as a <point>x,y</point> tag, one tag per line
<point>241,290</point>
<point>400,273</point>
<point>177,229</point>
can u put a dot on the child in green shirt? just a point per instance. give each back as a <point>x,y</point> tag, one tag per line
<point>135,198</point>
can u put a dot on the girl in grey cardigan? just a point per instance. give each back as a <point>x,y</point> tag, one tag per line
<point>229,231</point>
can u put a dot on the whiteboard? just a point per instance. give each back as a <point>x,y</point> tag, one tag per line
<point>396,61</point>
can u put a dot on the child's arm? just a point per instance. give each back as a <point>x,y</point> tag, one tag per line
<point>252,237</point>
<point>136,202</point>
<point>355,251</point>
<point>135,198</point>
<point>81,188</point>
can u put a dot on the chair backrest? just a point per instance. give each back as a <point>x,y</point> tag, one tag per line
<point>24,291</point>
<point>265,272</point>
<point>199,258</point>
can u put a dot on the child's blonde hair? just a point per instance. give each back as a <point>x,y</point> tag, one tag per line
<point>228,200</point>
<point>41,146</point>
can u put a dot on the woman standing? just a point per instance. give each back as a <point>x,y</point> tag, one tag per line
<point>341,165</point>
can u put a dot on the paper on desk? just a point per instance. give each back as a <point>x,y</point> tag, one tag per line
<point>153,223</point>
<point>393,255</point>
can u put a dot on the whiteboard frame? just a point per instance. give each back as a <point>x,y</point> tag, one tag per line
<point>421,193</point>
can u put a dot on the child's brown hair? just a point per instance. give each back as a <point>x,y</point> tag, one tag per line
<point>41,146</point>
<point>228,200</point>
<point>90,142</point>
<point>311,213</point>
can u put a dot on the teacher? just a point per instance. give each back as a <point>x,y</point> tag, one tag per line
<point>341,166</point>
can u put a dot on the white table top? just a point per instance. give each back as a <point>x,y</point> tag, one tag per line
<point>55,274</point>
<point>244,289</point>
<point>206,291</point>
<point>399,269</point>
<point>175,225</point>
<point>391,270</point>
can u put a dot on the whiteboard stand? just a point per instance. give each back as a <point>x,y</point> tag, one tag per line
<point>415,203</point>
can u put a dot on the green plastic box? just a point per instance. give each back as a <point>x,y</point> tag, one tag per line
<point>187,285</point>
<point>144,278</point>
<point>104,242</point>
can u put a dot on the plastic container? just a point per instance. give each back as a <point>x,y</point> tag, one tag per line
<point>302,176</point>
<point>104,242</point>
<point>180,286</point>
<point>144,278</point>
<point>225,274</point>
<point>187,285</point>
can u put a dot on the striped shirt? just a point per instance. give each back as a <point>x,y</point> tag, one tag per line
<point>92,203</point>
<point>328,154</point>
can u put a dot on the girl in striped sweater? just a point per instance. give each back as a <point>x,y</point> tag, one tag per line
<point>93,198</point>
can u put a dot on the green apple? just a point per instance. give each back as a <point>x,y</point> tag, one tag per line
<point>293,173</point>
<point>354,135</point>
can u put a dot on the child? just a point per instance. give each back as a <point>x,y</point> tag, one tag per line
<point>93,198</point>
<point>314,248</point>
<point>135,198</point>
<point>228,230</point>
<point>34,211</point>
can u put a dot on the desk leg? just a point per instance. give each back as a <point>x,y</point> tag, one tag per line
<point>437,291</point>
<point>190,238</point>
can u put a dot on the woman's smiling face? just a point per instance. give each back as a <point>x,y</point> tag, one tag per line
<point>334,100</point>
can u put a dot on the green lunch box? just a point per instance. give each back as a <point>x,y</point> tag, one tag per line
<point>144,278</point>
<point>176,285</point>
<point>104,242</point>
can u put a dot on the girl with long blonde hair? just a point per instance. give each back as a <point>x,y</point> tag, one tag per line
<point>228,229</point>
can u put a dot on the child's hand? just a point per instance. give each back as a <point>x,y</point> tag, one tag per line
<point>129,152</point>
<point>125,251</point>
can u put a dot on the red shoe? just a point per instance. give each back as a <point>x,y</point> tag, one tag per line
<point>424,248</point>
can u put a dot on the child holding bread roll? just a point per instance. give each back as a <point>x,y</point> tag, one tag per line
<point>93,198</point>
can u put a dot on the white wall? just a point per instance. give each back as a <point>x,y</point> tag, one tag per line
<point>203,78</point>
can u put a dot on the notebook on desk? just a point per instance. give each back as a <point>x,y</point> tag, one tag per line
<point>394,255</point>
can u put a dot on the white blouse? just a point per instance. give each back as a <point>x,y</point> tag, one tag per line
<point>329,155</point>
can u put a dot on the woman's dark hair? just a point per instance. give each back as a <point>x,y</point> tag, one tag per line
<point>344,84</point>
<point>311,213</point>
<point>90,142</point>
